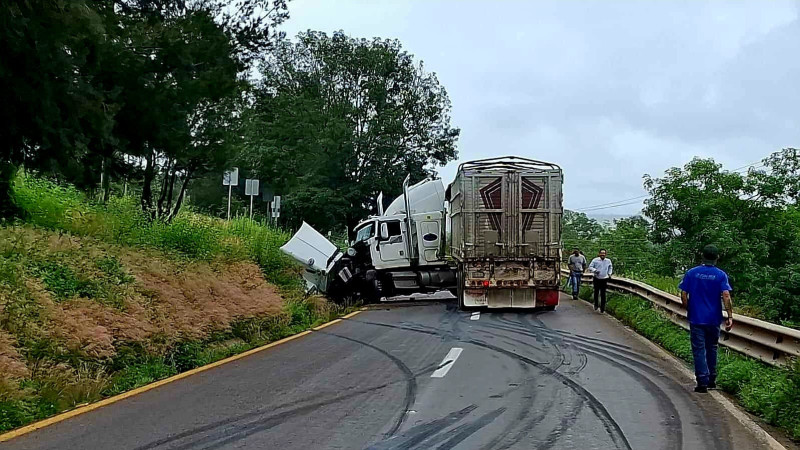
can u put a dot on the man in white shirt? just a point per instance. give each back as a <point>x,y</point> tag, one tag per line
<point>602,269</point>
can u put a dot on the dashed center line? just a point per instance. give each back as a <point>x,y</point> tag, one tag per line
<point>447,362</point>
<point>475,316</point>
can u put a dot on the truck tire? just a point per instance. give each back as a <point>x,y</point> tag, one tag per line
<point>460,288</point>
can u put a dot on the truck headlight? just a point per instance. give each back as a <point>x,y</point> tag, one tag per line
<point>351,251</point>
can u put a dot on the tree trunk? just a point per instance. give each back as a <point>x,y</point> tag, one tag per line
<point>169,175</point>
<point>106,183</point>
<point>7,207</point>
<point>147,185</point>
<point>181,196</point>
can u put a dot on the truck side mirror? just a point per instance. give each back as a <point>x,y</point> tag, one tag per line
<point>384,233</point>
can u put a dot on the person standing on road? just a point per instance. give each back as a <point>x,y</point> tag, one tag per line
<point>577,266</point>
<point>701,290</point>
<point>602,269</point>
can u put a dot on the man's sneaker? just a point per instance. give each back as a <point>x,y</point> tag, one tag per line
<point>574,297</point>
<point>701,389</point>
<point>712,384</point>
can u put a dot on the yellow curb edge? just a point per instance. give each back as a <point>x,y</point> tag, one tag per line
<point>105,402</point>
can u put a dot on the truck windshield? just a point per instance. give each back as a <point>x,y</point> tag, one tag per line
<point>365,232</point>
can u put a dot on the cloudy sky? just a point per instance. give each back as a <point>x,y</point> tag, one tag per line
<point>608,90</point>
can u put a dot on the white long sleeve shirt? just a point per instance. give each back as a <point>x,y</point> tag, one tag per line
<point>601,268</point>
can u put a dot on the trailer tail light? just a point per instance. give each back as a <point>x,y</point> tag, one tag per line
<point>486,283</point>
<point>547,296</point>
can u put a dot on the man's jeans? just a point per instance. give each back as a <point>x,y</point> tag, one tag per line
<point>704,348</point>
<point>575,280</point>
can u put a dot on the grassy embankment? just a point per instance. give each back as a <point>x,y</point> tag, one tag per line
<point>96,300</point>
<point>768,392</point>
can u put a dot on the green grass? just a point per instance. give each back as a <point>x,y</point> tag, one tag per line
<point>769,392</point>
<point>190,235</point>
<point>61,380</point>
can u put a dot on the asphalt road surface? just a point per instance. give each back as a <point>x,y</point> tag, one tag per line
<point>429,377</point>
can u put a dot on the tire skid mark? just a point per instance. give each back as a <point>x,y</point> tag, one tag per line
<point>672,419</point>
<point>524,411</point>
<point>611,426</point>
<point>566,422</point>
<point>582,362</point>
<point>509,442</point>
<point>520,326</point>
<point>573,340</point>
<point>419,433</point>
<point>274,419</point>
<point>463,432</point>
<point>411,383</point>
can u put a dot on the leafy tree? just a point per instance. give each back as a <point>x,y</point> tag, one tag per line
<point>751,217</point>
<point>51,111</point>
<point>338,120</point>
<point>88,85</point>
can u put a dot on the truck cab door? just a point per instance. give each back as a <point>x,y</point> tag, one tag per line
<point>391,244</point>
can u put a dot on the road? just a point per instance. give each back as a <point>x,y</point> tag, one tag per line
<point>424,376</point>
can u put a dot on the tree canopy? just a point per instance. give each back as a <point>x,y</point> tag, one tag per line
<point>337,120</point>
<point>753,217</point>
<point>143,88</point>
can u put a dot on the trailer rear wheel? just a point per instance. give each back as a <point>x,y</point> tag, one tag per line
<point>460,288</point>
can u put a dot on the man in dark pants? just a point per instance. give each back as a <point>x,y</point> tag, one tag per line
<point>703,289</point>
<point>602,269</point>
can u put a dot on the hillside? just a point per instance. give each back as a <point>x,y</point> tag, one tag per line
<point>94,300</point>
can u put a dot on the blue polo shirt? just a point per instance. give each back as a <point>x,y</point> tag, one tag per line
<point>705,285</point>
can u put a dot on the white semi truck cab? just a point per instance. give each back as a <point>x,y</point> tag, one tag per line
<point>505,217</point>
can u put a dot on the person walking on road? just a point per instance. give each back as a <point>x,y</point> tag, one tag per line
<point>577,266</point>
<point>602,269</point>
<point>701,290</point>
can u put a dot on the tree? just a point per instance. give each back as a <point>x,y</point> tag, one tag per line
<point>337,120</point>
<point>87,85</point>
<point>752,218</point>
<point>51,111</point>
<point>186,122</point>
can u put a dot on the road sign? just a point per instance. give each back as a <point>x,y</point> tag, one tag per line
<point>276,207</point>
<point>231,177</point>
<point>251,187</point>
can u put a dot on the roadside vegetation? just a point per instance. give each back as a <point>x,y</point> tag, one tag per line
<point>96,299</point>
<point>119,121</point>
<point>752,215</point>
<point>770,393</point>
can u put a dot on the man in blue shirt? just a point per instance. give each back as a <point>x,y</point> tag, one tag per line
<point>703,289</point>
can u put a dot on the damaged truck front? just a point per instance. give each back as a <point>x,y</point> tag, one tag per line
<point>399,251</point>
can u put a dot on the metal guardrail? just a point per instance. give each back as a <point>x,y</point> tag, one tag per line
<point>768,342</point>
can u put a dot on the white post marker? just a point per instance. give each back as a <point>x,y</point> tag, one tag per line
<point>447,362</point>
<point>475,316</point>
<point>230,178</point>
<point>251,189</point>
<point>276,207</point>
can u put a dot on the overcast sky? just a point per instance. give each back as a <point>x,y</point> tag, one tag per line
<point>608,90</point>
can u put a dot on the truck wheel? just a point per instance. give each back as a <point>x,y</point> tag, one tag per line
<point>460,288</point>
<point>374,291</point>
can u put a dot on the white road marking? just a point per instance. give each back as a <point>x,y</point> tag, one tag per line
<point>475,316</point>
<point>447,362</point>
